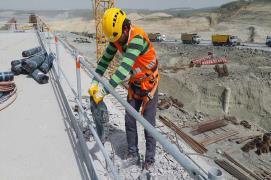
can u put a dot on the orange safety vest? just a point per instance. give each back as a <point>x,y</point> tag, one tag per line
<point>145,69</point>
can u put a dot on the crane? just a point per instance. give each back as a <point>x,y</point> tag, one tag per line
<point>99,7</point>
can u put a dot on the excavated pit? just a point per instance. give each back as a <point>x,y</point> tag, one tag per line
<point>201,90</point>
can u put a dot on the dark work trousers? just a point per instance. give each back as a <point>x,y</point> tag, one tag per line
<point>131,129</point>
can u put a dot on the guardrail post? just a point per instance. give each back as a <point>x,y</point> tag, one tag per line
<point>79,89</point>
<point>82,114</point>
<point>48,40</point>
<point>57,57</point>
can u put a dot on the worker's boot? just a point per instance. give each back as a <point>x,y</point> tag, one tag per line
<point>148,166</point>
<point>131,159</point>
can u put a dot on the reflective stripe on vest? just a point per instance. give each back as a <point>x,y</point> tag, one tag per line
<point>149,66</point>
<point>144,62</point>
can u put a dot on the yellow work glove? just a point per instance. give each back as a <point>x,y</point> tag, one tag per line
<point>99,95</point>
<point>93,88</point>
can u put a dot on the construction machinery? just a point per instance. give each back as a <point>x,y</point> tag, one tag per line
<point>33,19</point>
<point>268,41</point>
<point>99,7</point>
<point>224,40</point>
<point>190,38</point>
<point>156,37</point>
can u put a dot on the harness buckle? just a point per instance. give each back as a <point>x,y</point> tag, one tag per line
<point>150,96</point>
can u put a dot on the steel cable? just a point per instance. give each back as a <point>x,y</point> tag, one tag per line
<point>8,94</point>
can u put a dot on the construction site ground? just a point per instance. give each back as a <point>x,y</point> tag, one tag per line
<point>35,140</point>
<point>165,167</point>
<point>39,143</point>
<point>201,91</point>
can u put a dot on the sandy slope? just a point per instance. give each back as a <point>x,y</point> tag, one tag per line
<point>200,89</point>
<point>257,15</point>
<point>73,25</point>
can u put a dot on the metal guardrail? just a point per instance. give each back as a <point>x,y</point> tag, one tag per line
<point>172,149</point>
<point>6,23</point>
<point>82,114</point>
<point>190,166</point>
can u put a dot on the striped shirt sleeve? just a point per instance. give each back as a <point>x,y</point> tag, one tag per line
<point>107,57</point>
<point>133,50</point>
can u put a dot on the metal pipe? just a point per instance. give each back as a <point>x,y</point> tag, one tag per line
<point>57,57</point>
<point>183,160</point>
<point>79,89</point>
<point>94,133</point>
<point>97,139</point>
<point>6,23</point>
<point>87,159</point>
<point>227,95</point>
<point>48,42</point>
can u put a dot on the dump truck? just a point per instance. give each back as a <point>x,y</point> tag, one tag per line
<point>190,38</point>
<point>156,37</point>
<point>224,40</point>
<point>268,41</point>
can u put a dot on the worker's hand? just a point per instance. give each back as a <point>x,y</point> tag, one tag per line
<point>99,95</point>
<point>93,87</point>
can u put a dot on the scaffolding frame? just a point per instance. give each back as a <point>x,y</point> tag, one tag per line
<point>99,7</point>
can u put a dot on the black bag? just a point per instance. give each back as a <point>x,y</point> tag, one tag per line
<point>47,64</point>
<point>31,52</point>
<point>16,67</point>
<point>15,62</point>
<point>34,62</point>
<point>6,76</point>
<point>40,77</point>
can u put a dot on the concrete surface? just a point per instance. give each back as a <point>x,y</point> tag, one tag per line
<point>34,138</point>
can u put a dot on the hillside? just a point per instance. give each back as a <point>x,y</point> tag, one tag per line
<point>242,18</point>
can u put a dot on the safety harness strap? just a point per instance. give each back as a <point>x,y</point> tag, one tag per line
<point>145,99</point>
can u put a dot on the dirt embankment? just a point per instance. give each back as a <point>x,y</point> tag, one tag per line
<point>234,18</point>
<point>156,22</point>
<point>73,25</point>
<point>200,89</point>
<point>173,27</point>
<point>256,15</point>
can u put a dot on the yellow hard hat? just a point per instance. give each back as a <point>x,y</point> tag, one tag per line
<point>112,23</point>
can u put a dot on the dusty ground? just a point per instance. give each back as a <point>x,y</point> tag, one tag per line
<point>200,89</point>
<point>73,25</point>
<point>256,15</point>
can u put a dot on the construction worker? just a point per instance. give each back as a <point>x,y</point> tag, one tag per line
<point>139,60</point>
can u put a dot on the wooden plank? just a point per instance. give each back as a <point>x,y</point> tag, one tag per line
<point>217,138</point>
<point>232,169</point>
<point>199,148</point>
<point>208,126</point>
<point>241,166</point>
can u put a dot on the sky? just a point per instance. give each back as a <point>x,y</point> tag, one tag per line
<point>129,4</point>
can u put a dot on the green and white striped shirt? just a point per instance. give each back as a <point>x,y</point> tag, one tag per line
<point>138,46</point>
